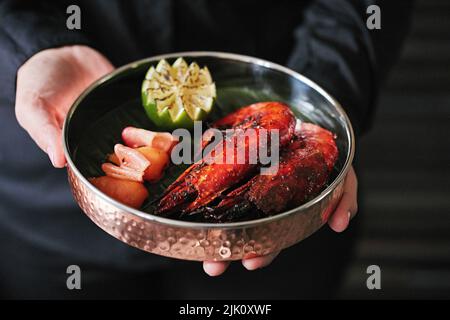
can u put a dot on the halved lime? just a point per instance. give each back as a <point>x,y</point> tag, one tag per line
<point>174,96</point>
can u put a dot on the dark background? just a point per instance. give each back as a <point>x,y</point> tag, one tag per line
<point>405,170</point>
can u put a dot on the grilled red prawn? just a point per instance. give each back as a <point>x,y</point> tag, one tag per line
<point>321,139</point>
<point>204,182</point>
<point>304,169</point>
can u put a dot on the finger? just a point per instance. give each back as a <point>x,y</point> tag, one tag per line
<point>43,129</point>
<point>259,262</point>
<point>49,139</point>
<point>54,147</point>
<point>215,269</point>
<point>347,206</point>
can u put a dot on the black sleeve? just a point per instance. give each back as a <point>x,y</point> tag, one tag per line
<point>335,49</point>
<point>27,27</point>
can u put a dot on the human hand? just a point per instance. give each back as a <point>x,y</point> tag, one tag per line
<point>338,221</point>
<point>47,85</point>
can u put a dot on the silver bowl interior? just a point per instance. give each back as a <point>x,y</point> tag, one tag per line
<point>240,80</point>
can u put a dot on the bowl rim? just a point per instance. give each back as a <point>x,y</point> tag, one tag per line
<point>210,225</point>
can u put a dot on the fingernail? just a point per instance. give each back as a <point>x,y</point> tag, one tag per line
<point>349,215</point>
<point>51,156</point>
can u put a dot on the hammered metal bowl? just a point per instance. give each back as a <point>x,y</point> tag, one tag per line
<point>242,80</point>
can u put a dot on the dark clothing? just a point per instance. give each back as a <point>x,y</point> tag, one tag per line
<point>42,230</point>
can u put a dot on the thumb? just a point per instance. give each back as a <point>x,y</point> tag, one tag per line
<point>44,129</point>
<point>53,146</point>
